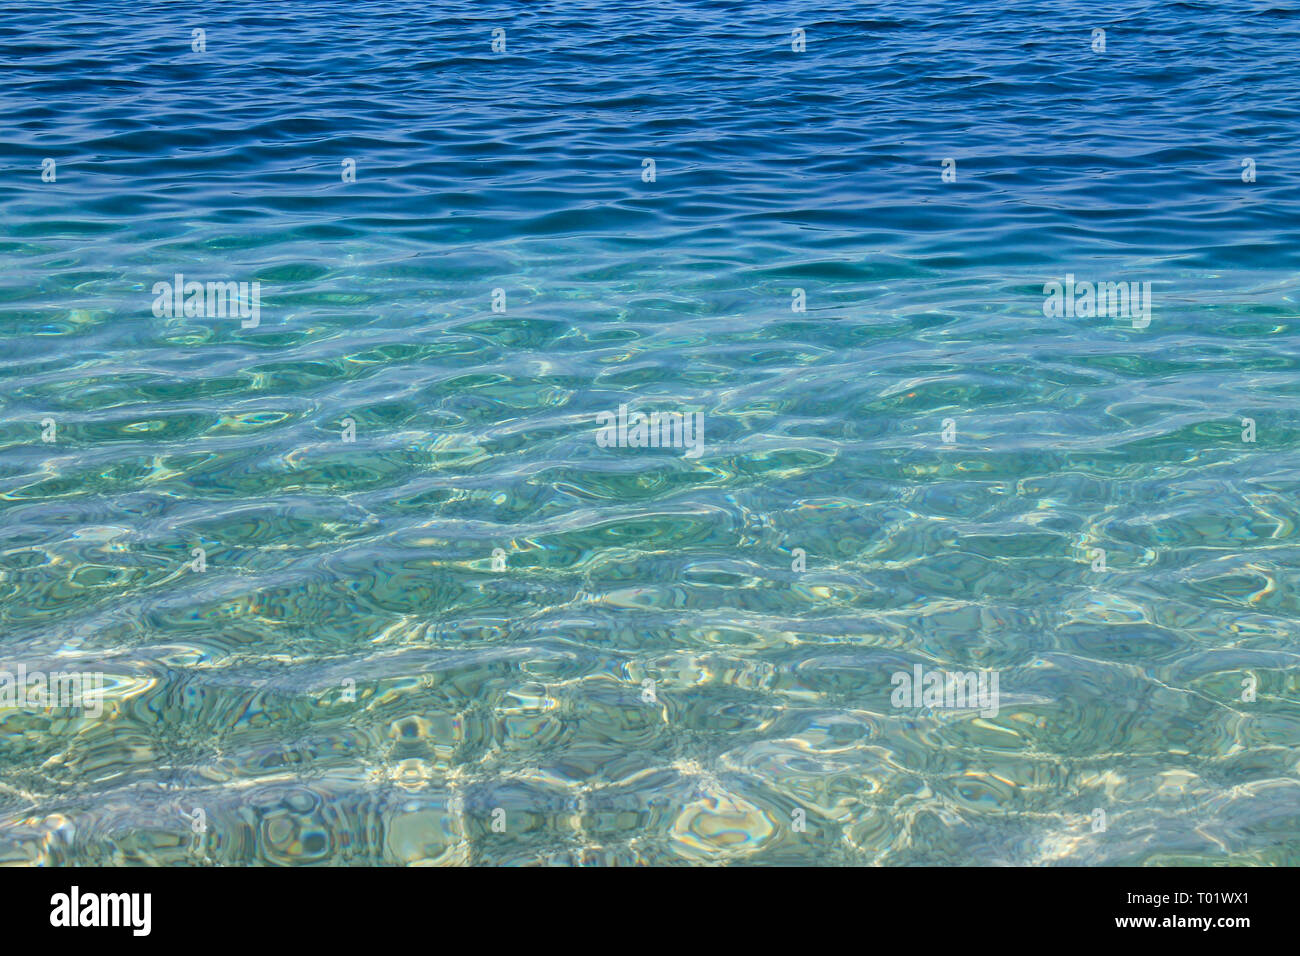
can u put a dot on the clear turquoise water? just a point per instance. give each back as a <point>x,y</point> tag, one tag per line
<point>520,689</point>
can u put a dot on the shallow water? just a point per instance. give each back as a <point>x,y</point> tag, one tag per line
<point>947,456</point>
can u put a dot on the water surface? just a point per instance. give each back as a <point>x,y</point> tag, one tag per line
<point>365,569</point>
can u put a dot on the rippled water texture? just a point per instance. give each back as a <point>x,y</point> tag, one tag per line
<point>641,673</point>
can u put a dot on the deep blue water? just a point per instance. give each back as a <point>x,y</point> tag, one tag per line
<point>456,613</point>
